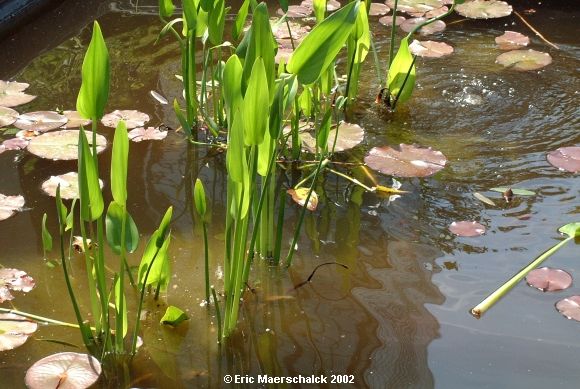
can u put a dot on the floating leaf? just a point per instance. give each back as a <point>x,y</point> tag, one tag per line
<point>297,30</point>
<point>157,96</point>
<point>483,199</point>
<point>9,205</point>
<point>349,136</point>
<point>410,24</point>
<point>388,20</point>
<point>7,116</point>
<point>566,158</point>
<point>484,9</point>
<point>548,279</point>
<point>15,280</point>
<point>14,330</point>
<point>511,40</point>
<point>61,145</point>
<point>430,49</point>
<point>149,133</point>
<point>436,12</point>
<point>570,229</point>
<point>132,118</point>
<point>524,59</point>
<point>467,228</point>
<point>516,191</point>
<point>75,120</point>
<point>569,307</point>
<point>15,144</point>
<point>415,6</point>
<point>173,316</point>
<point>407,161</point>
<point>12,94</point>
<point>378,9</point>
<point>23,134</point>
<point>299,196</point>
<point>64,371</point>
<point>296,11</point>
<point>69,185</point>
<point>331,5</point>
<point>40,121</point>
<point>114,228</point>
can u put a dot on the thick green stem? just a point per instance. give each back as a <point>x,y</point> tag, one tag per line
<point>206,257</point>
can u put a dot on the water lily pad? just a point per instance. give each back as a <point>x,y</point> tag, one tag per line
<point>75,120</point>
<point>14,280</point>
<point>12,94</point>
<point>548,279</point>
<point>524,59</point>
<point>132,118</point>
<point>484,9</point>
<point>484,199</point>
<point>281,33</point>
<point>15,144</point>
<point>14,330</point>
<point>407,161</point>
<point>283,53</point>
<point>388,20</point>
<point>69,185</point>
<point>9,205</point>
<point>7,116</point>
<point>157,96</point>
<point>566,158</point>
<point>378,9</point>
<point>40,121</point>
<point>64,371</point>
<point>516,191</point>
<point>331,5</point>
<point>410,24</point>
<point>149,133</point>
<point>467,228</point>
<point>349,136</point>
<point>296,11</point>
<point>569,307</point>
<point>61,145</point>
<point>430,49</point>
<point>415,6</point>
<point>436,12</point>
<point>299,196</point>
<point>511,40</point>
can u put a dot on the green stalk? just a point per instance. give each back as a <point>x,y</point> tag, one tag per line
<point>280,225</point>
<point>95,307</point>
<point>353,180</point>
<point>217,314</point>
<point>206,252</point>
<point>119,318</point>
<point>493,298</point>
<point>393,30</point>
<point>40,319</point>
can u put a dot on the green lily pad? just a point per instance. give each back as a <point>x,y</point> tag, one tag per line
<point>571,229</point>
<point>484,9</point>
<point>61,145</point>
<point>7,116</point>
<point>14,330</point>
<point>524,60</point>
<point>12,94</point>
<point>516,191</point>
<point>64,371</point>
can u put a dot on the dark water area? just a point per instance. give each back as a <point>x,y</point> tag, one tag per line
<point>398,317</point>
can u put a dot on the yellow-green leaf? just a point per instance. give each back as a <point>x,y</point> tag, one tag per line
<point>255,106</point>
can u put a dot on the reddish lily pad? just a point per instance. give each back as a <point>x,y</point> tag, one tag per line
<point>14,330</point>
<point>511,40</point>
<point>9,205</point>
<point>484,9</point>
<point>566,158</point>
<point>407,161</point>
<point>299,196</point>
<point>7,116</point>
<point>15,280</point>
<point>75,120</point>
<point>296,11</point>
<point>69,185</point>
<point>132,118</point>
<point>64,371</point>
<point>467,228</point>
<point>12,94</point>
<point>410,24</point>
<point>436,12</point>
<point>415,6</point>
<point>15,144</point>
<point>40,121</point>
<point>548,279</point>
<point>331,5</point>
<point>569,307</point>
<point>298,30</point>
<point>378,9</point>
<point>149,133</point>
<point>388,20</point>
<point>283,53</point>
<point>524,59</point>
<point>61,145</point>
<point>430,49</point>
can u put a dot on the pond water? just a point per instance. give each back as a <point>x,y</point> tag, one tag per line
<point>399,316</point>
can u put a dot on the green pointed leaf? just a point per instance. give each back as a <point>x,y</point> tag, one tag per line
<point>397,77</point>
<point>160,272</point>
<point>90,194</point>
<point>257,98</point>
<point>571,229</point>
<point>70,218</point>
<point>164,227</point>
<point>235,157</point>
<point>190,15</point>
<point>260,44</point>
<point>166,8</point>
<point>60,208</point>
<point>114,224</point>
<point>319,9</point>
<point>265,151</point>
<point>277,110</point>
<point>120,306</point>
<point>240,19</point>
<point>199,198</point>
<point>361,35</point>
<point>216,22</point>
<point>181,118</point>
<point>284,5</point>
<point>94,91</point>
<point>232,87</point>
<point>46,237</point>
<point>321,46</point>
<point>516,191</point>
<point>119,161</point>
<point>173,316</point>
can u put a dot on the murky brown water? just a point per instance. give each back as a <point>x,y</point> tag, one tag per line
<point>398,318</point>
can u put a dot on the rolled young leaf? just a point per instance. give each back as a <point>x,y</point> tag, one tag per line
<point>199,198</point>
<point>166,8</point>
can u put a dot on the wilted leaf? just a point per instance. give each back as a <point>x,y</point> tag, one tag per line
<point>378,9</point>
<point>410,24</point>
<point>516,191</point>
<point>149,133</point>
<point>157,96</point>
<point>78,244</point>
<point>9,205</point>
<point>15,280</point>
<point>548,279</point>
<point>484,199</point>
<point>14,330</point>
<point>511,40</point>
<point>15,144</point>
<point>388,20</point>
<point>484,9</point>
<point>64,371</point>
<point>12,94</point>
<point>7,116</point>
<point>524,59</point>
<point>566,158</point>
<point>467,228</point>
<point>75,120</point>
<point>40,121</point>
<point>299,196</point>
<point>430,49</point>
<point>173,316</point>
<point>132,118</point>
<point>69,185</point>
<point>408,161</point>
<point>61,145</point>
<point>570,307</point>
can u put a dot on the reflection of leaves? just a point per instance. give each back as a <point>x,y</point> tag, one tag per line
<point>163,345</point>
